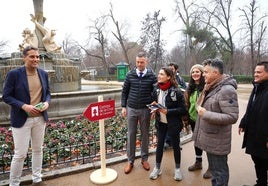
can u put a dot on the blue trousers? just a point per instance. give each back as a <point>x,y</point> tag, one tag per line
<point>219,169</point>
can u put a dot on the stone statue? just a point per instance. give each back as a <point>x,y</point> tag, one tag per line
<point>41,37</point>
<point>48,36</point>
<point>30,39</point>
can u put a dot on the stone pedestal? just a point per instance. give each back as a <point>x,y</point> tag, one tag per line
<point>64,73</point>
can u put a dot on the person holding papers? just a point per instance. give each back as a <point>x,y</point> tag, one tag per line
<point>170,101</point>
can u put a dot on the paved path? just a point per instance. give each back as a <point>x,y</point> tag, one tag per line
<point>240,165</point>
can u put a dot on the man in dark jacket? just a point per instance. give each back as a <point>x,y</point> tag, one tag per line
<point>136,94</point>
<point>179,79</point>
<point>255,123</point>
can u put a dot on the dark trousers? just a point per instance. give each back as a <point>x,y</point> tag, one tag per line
<point>219,169</point>
<point>174,134</point>
<point>261,168</point>
<point>137,117</point>
<point>198,151</point>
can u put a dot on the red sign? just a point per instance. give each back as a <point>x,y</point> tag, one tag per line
<point>100,110</point>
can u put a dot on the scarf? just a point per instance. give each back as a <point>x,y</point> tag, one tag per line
<point>207,88</point>
<point>164,86</point>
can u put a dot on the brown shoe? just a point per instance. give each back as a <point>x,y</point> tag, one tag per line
<point>196,166</point>
<point>145,165</point>
<point>128,168</point>
<point>207,174</point>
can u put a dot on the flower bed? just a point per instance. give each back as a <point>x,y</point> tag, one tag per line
<point>71,142</point>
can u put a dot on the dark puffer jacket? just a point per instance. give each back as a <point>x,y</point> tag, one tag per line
<point>213,131</point>
<point>175,105</point>
<point>137,93</point>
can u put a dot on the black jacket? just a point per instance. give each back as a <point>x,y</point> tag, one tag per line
<point>255,122</point>
<point>181,81</point>
<point>136,92</point>
<point>175,105</point>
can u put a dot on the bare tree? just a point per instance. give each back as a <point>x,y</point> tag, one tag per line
<point>256,29</point>
<point>70,47</point>
<point>97,31</point>
<point>125,45</point>
<point>151,38</point>
<point>260,40</point>
<point>116,54</point>
<point>3,44</point>
<point>187,13</point>
<point>219,21</point>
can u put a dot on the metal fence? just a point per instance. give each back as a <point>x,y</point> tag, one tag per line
<point>64,148</point>
<point>71,155</point>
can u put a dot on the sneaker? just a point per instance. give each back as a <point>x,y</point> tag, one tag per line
<point>155,173</point>
<point>196,166</point>
<point>177,176</point>
<point>207,174</point>
<point>167,145</point>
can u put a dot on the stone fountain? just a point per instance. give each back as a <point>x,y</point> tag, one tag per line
<point>64,74</point>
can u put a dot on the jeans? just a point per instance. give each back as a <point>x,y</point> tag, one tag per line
<point>219,169</point>
<point>33,130</point>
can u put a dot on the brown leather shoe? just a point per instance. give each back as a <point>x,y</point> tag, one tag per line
<point>145,165</point>
<point>128,168</point>
<point>207,174</point>
<point>196,166</point>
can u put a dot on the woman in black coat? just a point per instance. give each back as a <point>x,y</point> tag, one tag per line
<point>171,98</point>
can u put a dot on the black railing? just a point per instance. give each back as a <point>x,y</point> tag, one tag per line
<point>73,142</point>
<point>71,155</point>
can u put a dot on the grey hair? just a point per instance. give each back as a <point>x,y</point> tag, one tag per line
<point>215,63</point>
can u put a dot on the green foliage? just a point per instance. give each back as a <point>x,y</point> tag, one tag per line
<point>66,138</point>
<point>243,79</point>
<point>186,78</point>
<point>204,41</point>
<point>151,38</point>
<point>70,139</point>
<point>6,146</point>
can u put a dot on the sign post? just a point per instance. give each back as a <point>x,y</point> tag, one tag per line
<point>100,111</point>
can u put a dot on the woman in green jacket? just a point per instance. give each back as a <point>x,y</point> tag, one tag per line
<point>195,87</point>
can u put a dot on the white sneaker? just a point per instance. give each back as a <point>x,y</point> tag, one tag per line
<point>177,176</point>
<point>155,173</point>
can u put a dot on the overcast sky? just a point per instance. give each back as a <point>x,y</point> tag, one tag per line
<point>72,17</point>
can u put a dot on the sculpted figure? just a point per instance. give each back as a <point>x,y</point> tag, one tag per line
<point>30,39</point>
<point>48,37</point>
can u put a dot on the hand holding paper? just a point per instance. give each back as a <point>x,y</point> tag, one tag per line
<point>155,106</point>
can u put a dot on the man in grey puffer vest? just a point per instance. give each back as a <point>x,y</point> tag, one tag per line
<point>136,94</point>
<point>217,109</point>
